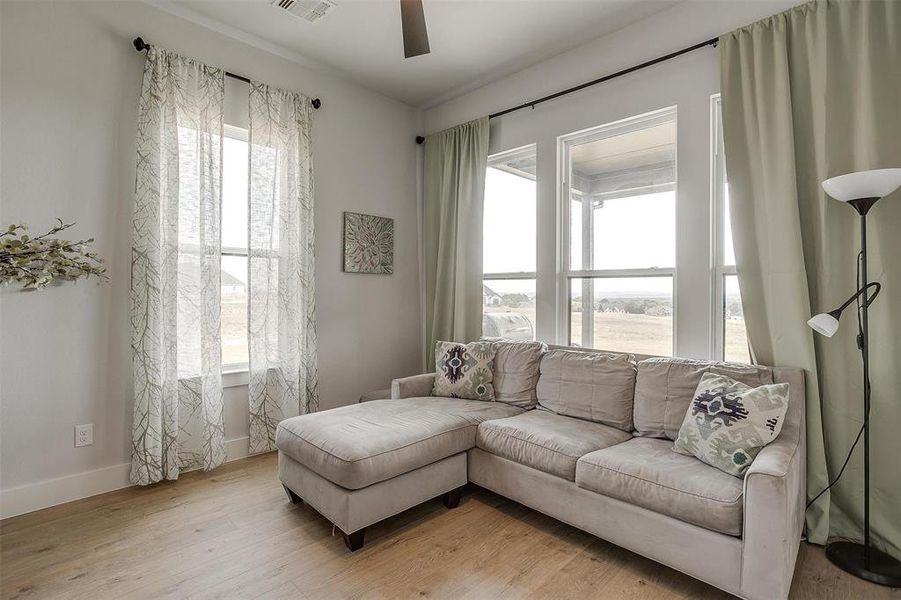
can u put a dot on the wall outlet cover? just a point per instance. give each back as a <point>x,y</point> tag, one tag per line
<point>84,435</point>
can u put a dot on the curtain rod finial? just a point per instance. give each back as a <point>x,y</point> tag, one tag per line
<point>316,102</point>
<point>419,139</point>
<point>139,44</point>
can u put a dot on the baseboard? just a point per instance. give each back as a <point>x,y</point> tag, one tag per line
<point>51,492</point>
<point>237,448</point>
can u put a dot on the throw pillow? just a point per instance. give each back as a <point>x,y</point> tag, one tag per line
<point>464,370</point>
<point>728,422</point>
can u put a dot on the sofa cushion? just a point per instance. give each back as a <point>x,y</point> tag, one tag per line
<point>464,370</point>
<point>588,385</point>
<point>361,444</point>
<point>516,369</point>
<point>545,441</point>
<point>665,387</point>
<point>646,472</point>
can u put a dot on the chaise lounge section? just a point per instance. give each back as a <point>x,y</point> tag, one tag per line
<point>585,437</point>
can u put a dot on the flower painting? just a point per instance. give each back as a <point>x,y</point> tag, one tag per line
<point>368,244</point>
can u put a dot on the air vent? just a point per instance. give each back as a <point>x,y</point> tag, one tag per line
<point>309,10</point>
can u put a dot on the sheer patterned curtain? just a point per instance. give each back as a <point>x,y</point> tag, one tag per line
<point>281,311</point>
<point>175,270</point>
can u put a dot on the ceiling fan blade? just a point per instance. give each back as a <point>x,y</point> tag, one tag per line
<point>412,20</point>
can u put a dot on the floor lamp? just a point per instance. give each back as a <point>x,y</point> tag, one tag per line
<point>861,190</point>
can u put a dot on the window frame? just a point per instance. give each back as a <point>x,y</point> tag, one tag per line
<point>493,161</point>
<point>234,374</point>
<point>565,273</point>
<point>718,269</point>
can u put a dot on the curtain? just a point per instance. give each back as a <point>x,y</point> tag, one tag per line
<point>809,94</point>
<point>175,270</point>
<point>454,193</point>
<point>281,305</point>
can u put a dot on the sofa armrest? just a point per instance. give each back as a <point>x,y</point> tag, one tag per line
<point>774,497</point>
<point>412,387</point>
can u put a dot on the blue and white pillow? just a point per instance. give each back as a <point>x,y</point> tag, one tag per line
<point>728,423</point>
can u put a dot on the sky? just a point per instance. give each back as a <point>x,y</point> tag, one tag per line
<point>624,236</point>
<point>234,204</point>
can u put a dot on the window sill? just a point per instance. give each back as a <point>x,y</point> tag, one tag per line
<point>235,378</point>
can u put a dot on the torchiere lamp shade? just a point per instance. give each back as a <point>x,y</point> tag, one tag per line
<point>863,184</point>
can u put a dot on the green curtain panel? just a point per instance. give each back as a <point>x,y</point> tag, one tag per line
<point>808,94</point>
<point>454,194</point>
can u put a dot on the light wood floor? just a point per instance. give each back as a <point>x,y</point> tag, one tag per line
<point>233,534</point>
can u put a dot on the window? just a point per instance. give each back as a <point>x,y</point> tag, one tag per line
<point>509,246</point>
<point>619,246</point>
<point>730,339</point>
<point>234,249</point>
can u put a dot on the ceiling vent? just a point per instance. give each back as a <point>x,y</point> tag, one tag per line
<point>309,10</point>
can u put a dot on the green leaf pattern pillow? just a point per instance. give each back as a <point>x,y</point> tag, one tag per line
<point>464,370</point>
<point>728,423</point>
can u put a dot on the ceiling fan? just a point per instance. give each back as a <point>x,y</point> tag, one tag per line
<point>412,20</point>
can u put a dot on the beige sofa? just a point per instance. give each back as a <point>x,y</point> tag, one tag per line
<point>584,437</point>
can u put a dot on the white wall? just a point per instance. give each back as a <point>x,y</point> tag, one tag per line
<point>686,82</point>
<point>69,85</point>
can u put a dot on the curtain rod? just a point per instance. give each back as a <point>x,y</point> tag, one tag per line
<point>140,45</point>
<point>711,42</point>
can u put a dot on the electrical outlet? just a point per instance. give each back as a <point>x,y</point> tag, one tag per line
<point>84,435</point>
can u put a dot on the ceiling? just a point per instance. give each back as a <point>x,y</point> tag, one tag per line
<point>473,42</point>
<point>634,150</point>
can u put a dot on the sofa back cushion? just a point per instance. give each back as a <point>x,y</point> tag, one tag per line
<point>594,386</point>
<point>665,387</point>
<point>516,370</point>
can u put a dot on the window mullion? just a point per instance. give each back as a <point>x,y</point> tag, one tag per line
<point>618,273</point>
<point>513,275</point>
<point>587,261</point>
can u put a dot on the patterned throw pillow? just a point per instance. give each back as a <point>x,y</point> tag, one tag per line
<point>464,370</point>
<point>728,423</point>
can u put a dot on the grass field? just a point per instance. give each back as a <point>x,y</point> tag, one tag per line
<point>644,334</point>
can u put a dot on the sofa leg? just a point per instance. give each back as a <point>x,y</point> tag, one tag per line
<point>354,541</point>
<point>294,498</point>
<point>451,499</point>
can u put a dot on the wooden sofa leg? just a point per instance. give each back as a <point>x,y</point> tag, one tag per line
<point>294,498</point>
<point>354,541</point>
<point>451,499</point>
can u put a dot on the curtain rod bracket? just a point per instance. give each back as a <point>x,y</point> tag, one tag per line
<point>140,45</point>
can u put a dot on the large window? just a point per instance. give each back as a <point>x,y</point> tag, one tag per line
<point>234,249</point>
<point>730,340</point>
<point>619,246</point>
<point>509,246</point>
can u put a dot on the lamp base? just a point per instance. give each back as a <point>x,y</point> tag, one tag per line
<point>849,556</point>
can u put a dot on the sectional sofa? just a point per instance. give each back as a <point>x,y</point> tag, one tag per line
<point>585,437</point>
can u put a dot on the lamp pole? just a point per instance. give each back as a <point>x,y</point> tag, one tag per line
<point>849,556</point>
<point>861,190</point>
<point>863,206</point>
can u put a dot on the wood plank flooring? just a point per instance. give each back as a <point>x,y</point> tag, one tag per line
<point>233,534</point>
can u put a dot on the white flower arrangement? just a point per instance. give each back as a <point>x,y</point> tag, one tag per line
<point>35,262</point>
